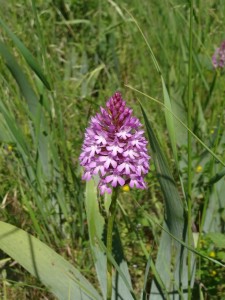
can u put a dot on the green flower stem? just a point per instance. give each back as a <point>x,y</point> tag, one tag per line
<point>111,218</point>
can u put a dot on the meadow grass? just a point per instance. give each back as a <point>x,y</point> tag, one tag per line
<point>71,56</point>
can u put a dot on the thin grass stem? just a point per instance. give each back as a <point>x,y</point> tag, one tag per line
<point>189,123</point>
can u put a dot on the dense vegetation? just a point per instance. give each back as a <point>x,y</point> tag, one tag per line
<point>80,53</point>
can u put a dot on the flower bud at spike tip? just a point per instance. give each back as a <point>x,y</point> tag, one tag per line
<point>115,148</point>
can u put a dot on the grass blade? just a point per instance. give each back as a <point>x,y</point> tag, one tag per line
<point>26,89</point>
<point>170,120</point>
<point>96,225</point>
<point>175,282</point>
<point>58,275</point>
<point>26,54</point>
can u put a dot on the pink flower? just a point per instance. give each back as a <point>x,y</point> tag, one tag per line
<point>115,148</point>
<point>104,188</point>
<point>127,167</point>
<point>114,179</point>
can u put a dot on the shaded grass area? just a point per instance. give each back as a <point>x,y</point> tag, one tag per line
<point>89,49</point>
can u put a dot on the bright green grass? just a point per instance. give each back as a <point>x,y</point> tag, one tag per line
<point>87,50</point>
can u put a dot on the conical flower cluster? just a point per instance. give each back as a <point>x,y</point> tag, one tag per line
<point>218,58</point>
<point>115,148</point>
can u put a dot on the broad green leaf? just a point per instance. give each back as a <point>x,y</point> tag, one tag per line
<point>26,54</point>
<point>57,274</point>
<point>174,278</point>
<point>97,235</point>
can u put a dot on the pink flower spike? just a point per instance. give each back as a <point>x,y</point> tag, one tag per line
<point>115,148</point>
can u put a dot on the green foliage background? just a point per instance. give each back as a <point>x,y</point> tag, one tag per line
<point>88,50</point>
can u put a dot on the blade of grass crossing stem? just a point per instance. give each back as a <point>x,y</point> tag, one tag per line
<point>175,282</point>
<point>26,54</point>
<point>97,235</point>
<point>58,275</point>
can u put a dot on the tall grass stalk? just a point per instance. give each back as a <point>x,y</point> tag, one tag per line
<point>189,123</point>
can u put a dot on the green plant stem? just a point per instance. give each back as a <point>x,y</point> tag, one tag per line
<point>189,123</point>
<point>111,218</point>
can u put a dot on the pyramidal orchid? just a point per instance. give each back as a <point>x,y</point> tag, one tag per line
<point>115,148</point>
<point>218,58</point>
